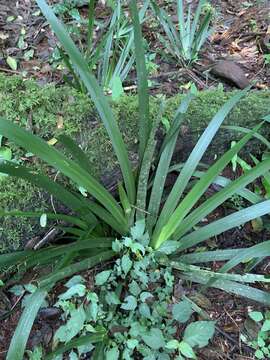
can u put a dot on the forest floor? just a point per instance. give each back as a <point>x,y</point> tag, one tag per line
<point>242,31</point>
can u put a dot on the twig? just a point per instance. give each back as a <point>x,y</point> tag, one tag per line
<point>17,301</point>
<point>141,210</point>
<point>47,238</point>
<point>10,71</point>
<point>51,197</point>
<point>232,319</point>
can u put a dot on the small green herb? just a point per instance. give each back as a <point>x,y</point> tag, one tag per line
<point>260,343</point>
<point>141,321</point>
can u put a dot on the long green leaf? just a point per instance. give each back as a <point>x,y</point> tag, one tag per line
<point>77,153</point>
<point>99,352</point>
<point>143,93</point>
<point>91,22</point>
<point>186,39</point>
<point>260,251</point>
<point>96,56</point>
<point>197,191</point>
<point>123,66</point>
<point>232,287</point>
<point>97,96</point>
<point>66,197</point>
<point>85,208</point>
<point>223,182</point>
<point>174,44</point>
<point>257,251</point>
<point>22,332</point>
<point>97,337</point>
<point>181,22</point>
<point>145,170</point>
<point>209,275</point>
<point>228,222</point>
<point>103,214</point>
<point>246,130</point>
<point>108,46</point>
<point>68,167</point>
<point>29,258</point>
<point>214,201</point>
<point>80,247</point>
<point>208,256</point>
<point>76,83</point>
<point>191,164</point>
<point>74,268</point>
<point>13,258</point>
<point>202,34</point>
<point>196,19</point>
<point>164,163</point>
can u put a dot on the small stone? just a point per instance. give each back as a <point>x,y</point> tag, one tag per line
<point>49,313</point>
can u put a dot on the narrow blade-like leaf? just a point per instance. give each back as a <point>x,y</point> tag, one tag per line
<point>68,167</point>
<point>214,201</point>
<point>164,163</point>
<point>77,153</point>
<point>143,93</point>
<point>97,96</point>
<point>58,191</point>
<point>232,287</point>
<point>197,191</point>
<point>22,332</point>
<point>145,171</point>
<point>208,256</point>
<point>192,162</point>
<point>97,337</point>
<point>74,268</point>
<point>257,251</point>
<point>228,222</point>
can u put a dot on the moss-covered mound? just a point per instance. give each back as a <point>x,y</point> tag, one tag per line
<point>48,111</point>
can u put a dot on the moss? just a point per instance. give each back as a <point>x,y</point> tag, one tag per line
<point>48,111</point>
<point>20,195</point>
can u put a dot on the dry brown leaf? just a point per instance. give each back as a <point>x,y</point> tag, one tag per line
<point>234,46</point>
<point>60,122</point>
<point>248,52</point>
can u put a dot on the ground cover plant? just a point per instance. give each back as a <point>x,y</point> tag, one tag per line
<point>260,342</point>
<point>130,318</point>
<point>172,224</point>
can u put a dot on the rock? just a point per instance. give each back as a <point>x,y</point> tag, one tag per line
<point>230,71</point>
<point>264,43</point>
<point>49,313</point>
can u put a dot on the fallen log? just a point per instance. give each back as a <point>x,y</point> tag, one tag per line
<point>48,111</point>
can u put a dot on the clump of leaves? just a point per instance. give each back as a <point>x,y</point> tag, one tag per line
<point>110,54</point>
<point>185,42</point>
<point>132,305</point>
<point>261,341</point>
